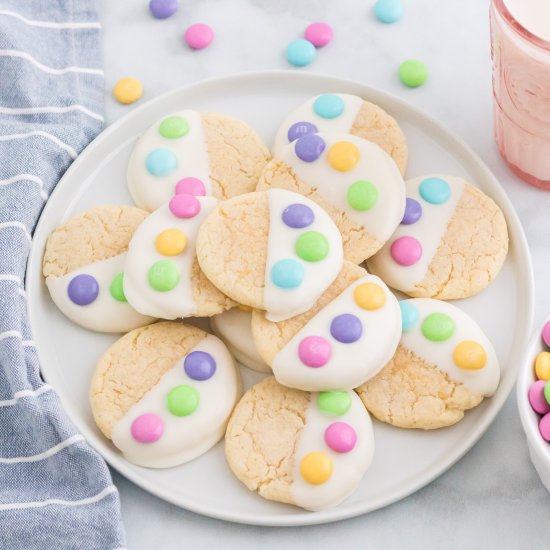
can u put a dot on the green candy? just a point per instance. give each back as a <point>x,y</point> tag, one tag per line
<point>116,289</point>
<point>362,195</point>
<point>547,392</point>
<point>334,402</point>
<point>182,400</point>
<point>173,127</point>
<point>312,246</point>
<point>413,73</point>
<point>438,327</point>
<point>163,275</point>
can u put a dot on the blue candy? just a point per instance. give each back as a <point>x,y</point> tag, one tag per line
<point>161,162</point>
<point>300,53</point>
<point>409,315</point>
<point>329,106</point>
<point>287,273</point>
<point>435,190</point>
<point>388,11</point>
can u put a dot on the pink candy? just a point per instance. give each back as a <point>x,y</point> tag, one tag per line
<point>544,427</point>
<point>184,206</point>
<point>406,251</point>
<point>147,428</point>
<point>319,34</point>
<point>546,334</point>
<point>340,437</point>
<point>536,397</point>
<point>314,351</point>
<point>190,186</point>
<point>199,36</point>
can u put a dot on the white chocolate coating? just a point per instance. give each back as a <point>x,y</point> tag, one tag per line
<point>142,254</point>
<point>104,314</point>
<point>483,381</point>
<point>374,166</point>
<point>429,230</point>
<point>184,437</point>
<point>149,191</point>
<point>283,303</point>
<point>234,328</point>
<point>350,364</point>
<point>348,468</point>
<point>305,113</point>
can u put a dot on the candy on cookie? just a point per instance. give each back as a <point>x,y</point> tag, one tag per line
<point>273,250</point>
<point>162,275</point>
<point>200,153</point>
<point>452,241</point>
<point>164,393</point>
<point>444,365</point>
<point>344,114</point>
<point>83,265</point>
<point>343,340</point>
<point>306,449</point>
<point>353,179</point>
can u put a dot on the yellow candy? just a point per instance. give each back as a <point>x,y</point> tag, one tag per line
<point>469,355</point>
<point>542,366</point>
<point>170,242</point>
<point>343,156</point>
<point>316,468</point>
<point>127,90</point>
<point>369,296</point>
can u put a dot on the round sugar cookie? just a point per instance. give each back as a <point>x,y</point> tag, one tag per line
<point>348,114</point>
<point>162,275</point>
<point>164,393</point>
<point>306,449</point>
<point>452,241</point>
<point>346,338</point>
<point>273,250</point>
<point>354,180</point>
<point>443,366</point>
<point>83,265</point>
<point>199,153</point>
<point>234,328</point>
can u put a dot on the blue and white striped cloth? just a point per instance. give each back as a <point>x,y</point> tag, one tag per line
<point>55,492</point>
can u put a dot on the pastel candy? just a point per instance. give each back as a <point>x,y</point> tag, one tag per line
<point>536,397</point>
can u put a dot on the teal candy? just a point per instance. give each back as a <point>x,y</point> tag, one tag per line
<point>435,190</point>
<point>287,274</point>
<point>388,11</point>
<point>409,315</point>
<point>329,106</point>
<point>300,53</point>
<point>161,162</point>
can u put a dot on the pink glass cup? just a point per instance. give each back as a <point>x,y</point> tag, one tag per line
<point>521,90</point>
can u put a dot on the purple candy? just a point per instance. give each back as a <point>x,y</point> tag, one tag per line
<point>298,216</point>
<point>346,328</point>
<point>161,9</point>
<point>413,212</point>
<point>299,129</point>
<point>199,365</point>
<point>309,147</point>
<point>83,290</point>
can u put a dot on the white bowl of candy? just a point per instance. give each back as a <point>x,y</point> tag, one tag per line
<point>533,397</point>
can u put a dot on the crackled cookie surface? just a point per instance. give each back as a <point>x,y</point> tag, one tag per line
<point>306,449</point>
<point>83,265</point>
<point>200,153</point>
<point>273,250</point>
<point>451,243</point>
<point>354,180</point>
<point>162,275</point>
<point>444,365</point>
<point>163,393</point>
<point>345,113</point>
<point>346,338</point>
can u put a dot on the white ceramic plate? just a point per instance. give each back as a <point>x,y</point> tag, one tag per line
<point>404,460</point>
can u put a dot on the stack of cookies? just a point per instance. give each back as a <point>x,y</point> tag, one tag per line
<point>290,256</point>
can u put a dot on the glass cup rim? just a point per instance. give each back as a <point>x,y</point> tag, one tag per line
<point>518,27</point>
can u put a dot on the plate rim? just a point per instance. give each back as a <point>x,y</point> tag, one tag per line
<point>462,149</point>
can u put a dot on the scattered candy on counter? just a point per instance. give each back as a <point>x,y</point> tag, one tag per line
<point>199,36</point>
<point>539,392</point>
<point>413,73</point>
<point>319,34</point>
<point>162,9</point>
<point>388,11</point>
<point>301,53</point>
<point>128,90</point>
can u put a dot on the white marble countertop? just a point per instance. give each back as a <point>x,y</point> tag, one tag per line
<point>493,496</point>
